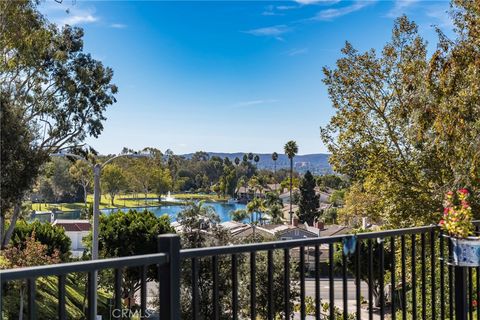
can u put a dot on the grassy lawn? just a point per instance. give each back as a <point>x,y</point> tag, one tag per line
<point>122,201</point>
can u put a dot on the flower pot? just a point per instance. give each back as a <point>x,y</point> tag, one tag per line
<point>466,251</point>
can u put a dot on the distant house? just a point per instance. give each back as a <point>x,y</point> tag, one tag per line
<point>234,227</point>
<point>76,230</point>
<point>273,232</point>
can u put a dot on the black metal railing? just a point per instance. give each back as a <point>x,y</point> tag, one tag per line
<point>167,262</point>
<point>403,273</point>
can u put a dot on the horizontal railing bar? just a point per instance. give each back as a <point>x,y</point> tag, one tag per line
<point>286,244</point>
<point>82,266</point>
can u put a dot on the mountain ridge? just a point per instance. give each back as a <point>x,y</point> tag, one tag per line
<point>317,163</point>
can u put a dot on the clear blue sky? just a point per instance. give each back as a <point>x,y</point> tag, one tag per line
<point>228,76</point>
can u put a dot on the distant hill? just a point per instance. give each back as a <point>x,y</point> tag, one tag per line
<point>317,163</point>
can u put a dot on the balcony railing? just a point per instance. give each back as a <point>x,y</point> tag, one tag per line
<point>404,272</point>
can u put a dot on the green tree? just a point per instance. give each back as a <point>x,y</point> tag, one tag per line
<point>53,237</point>
<point>201,228</point>
<point>82,173</point>
<point>197,218</point>
<point>256,207</point>
<point>273,199</point>
<point>131,233</point>
<point>113,181</point>
<point>275,158</point>
<point>59,93</point>
<point>237,161</point>
<point>256,159</point>
<point>309,201</point>
<point>276,214</point>
<point>332,181</point>
<point>291,150</point>
<point>239,215</point>
<point>59,177</point>
<point>406,127</point>
<point>20,164</point>
<point>161,181</point>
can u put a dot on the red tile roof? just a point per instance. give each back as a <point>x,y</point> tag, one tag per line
<point>76,226</point>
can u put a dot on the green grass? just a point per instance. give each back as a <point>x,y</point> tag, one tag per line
<point>122,201</point>
<point>47,299</point>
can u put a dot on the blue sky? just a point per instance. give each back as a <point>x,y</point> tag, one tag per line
<point>228,76</point>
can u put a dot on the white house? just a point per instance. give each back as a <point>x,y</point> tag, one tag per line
<point>76,230</point>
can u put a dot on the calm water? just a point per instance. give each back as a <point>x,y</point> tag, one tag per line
<point>222,209</point>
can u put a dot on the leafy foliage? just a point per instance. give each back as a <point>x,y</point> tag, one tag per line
<point>309,201</point>
<point>131,233</point>
<point>52,237</point>
<point>56,95</point>
<point>113,180</point>
<point>406,129</point>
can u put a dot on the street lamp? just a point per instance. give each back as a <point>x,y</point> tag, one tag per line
<point>97,172</point>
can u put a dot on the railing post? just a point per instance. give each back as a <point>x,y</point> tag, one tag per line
<point>169,277</point>
<point>460,293</point>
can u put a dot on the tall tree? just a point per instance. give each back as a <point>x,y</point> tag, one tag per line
<point>407,128</point>
<point>61,181</point>
<point>256,159</point>
<point>161,181</point>
<point>309,201</point>
<point>113,181</point>
<point>239,215</point>
<point>20,164</point>
<point>275,158</point>
<point>291,150</point>
<point>131,233</point>
<point>59,92</point>
<point>82,173</point>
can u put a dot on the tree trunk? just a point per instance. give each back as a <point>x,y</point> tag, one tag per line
<point>11,227</point>
<point>2,228</point>
<point>291,186</point>
<point>275,174</point>
<point>112,197</point>
<point>85,195</point>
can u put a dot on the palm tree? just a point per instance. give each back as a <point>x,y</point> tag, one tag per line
<point>245,157</point>
<point>256,159</point>
<point>237,161</point>
<point>291,149</point>
<point>250,156</point>
<point>275,213</point>
<point>272,199</point>
<point>255,206</point>
<point>239,215</point>
<point>275,158</point>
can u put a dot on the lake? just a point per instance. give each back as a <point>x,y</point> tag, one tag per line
<point>221,208</point>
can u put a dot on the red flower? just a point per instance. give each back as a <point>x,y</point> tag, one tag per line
<point>474,303</point>
<point>442,221</point>
<point>446,210</point>
<point>463,191</point>
<point>450,193</point>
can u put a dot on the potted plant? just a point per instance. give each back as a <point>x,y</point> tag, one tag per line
<point>457,222</point>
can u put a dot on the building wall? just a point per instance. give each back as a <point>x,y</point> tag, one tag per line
<point>76,237</point>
